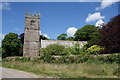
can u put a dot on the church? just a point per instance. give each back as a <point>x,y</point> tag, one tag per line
<point>32,42</point>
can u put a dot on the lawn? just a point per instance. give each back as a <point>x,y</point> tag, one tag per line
<point>81,70</point>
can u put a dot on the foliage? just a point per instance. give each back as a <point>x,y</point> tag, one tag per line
<point>113,58</point>
<point>11,45</point>
<point>57,49</point>
<point>21,38</point>
<point>62,36</point>
<point>95,49</point>
<point>94,41</point>
<point>86,33</point>
<point>70,38</point>
<point>75,49</point>
<point>53,49</point>
<point>111,35</point>
<point>0,52</point>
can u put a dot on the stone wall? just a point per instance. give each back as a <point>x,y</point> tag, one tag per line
<point>44,43</point>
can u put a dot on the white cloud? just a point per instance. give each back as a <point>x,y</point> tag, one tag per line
<point>94,17</point>
<point>106,3</point>
<point>98,23</point>
<point>5,6</point>
<point>46,35</point>
<point>1,36</point>
<point>71,31</point>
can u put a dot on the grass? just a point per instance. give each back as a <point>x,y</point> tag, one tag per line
<point>82,70</point>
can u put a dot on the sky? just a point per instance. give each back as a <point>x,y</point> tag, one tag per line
<point>56,17</point>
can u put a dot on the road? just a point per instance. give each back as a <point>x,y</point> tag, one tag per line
<point>11,73</point>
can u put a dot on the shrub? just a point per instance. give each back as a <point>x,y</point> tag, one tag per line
<point>113,58</point>
<point>75,49</point>
<point>95,49</point>
<point>53,49</point>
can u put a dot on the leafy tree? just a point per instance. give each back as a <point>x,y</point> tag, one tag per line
<point>11,45</point>
<point>21,38</point>
<point>62,36</point>
<point>94,40</point>
<point>111,36</point>
<point>70,38</point>
<point>85,33</point>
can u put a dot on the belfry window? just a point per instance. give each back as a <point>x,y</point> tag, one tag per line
<point>32,22</point>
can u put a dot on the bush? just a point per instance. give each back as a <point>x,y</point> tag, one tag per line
<point>53,49</point>
<point>76,49</point>
<point>95,49</point>
<point>114,58</point>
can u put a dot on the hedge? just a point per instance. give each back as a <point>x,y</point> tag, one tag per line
<point>113,58</point>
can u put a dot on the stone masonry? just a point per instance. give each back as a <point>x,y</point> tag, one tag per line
<point>31,35</point>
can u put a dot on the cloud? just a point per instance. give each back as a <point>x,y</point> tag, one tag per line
<point>71,31</point>
<point>1,37</point>
<point>98,23</point>
<point>106,3</point>
<point>5,6</point>
<point>46,35</point>
<point>94,17</point>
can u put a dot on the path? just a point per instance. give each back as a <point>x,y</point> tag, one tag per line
<point>11,73</point>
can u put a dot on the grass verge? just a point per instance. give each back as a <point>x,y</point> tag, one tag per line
<point>81,70</point>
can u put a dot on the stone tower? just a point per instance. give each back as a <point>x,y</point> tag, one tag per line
<point>31,35</point>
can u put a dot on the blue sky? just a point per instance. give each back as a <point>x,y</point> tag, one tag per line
<point>56,17</point>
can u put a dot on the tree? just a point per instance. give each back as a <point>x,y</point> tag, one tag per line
<point>86,33</point>
<point>21,38</point>
<point>70,38</point>
<point>95,39</point>
<point>11,45</point>
<point>63,36</point>
<point>111,36</point>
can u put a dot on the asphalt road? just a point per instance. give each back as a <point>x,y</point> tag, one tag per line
<point>11,73</point>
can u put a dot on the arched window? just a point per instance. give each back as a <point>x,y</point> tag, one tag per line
<point>32,22</point>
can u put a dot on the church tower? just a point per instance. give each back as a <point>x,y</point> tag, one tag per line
<point>31,35</point>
